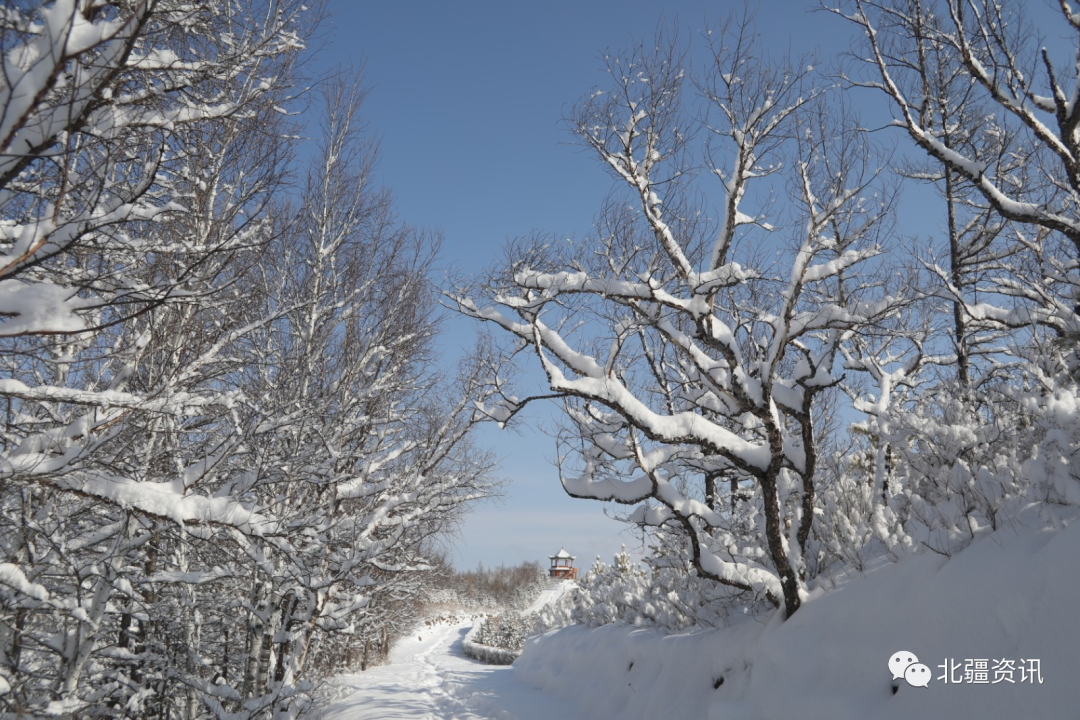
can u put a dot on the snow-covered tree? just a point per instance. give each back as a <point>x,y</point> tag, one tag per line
<point>359,447</point>
<point>993,114</point>
<point>117,228</point>
<point>690,364</point>
<point>224,447</point>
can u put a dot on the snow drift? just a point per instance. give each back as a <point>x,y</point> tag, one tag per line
<point>1010,596</point>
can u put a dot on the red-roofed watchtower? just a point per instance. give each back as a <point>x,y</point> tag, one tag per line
<point>562,566</point>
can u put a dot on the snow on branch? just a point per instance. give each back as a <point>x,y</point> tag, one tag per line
<point>681,362</point>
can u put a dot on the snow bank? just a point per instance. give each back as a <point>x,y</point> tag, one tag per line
<point>1010,596</point>
<point>615,671</point>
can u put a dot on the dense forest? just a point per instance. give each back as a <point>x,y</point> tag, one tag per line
<point>226,455</point>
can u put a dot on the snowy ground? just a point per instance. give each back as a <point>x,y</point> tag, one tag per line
<point>428,678</point>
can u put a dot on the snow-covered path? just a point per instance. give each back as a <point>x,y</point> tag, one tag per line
<point>429,678</point>
<point>555,589</point>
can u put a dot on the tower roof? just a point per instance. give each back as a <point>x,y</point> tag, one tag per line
<point>562,555</point>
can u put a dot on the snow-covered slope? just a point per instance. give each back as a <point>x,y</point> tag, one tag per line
<point>1012,596</point>
<point>555,589</point>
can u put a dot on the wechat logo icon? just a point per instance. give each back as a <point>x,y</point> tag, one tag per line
<point>905,665</point>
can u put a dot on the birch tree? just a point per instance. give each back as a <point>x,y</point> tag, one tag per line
<point>358,448</point>
<point>114,222</point>
<point>225,449</point>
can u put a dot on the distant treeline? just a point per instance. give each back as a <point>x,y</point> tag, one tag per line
<point>502,586</point>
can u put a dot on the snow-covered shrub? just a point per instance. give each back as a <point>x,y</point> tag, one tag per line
<point>1052,469</point>
<point>487,654</point>
<point>853,519</point>
<point>945,477</point>
<point>949,463</point>
<point>663,593</point>
<point>958,466</point>
<point>507,631</point>
<point>498,640</point>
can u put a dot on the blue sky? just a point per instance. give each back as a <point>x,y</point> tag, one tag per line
<point>467,100</point>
